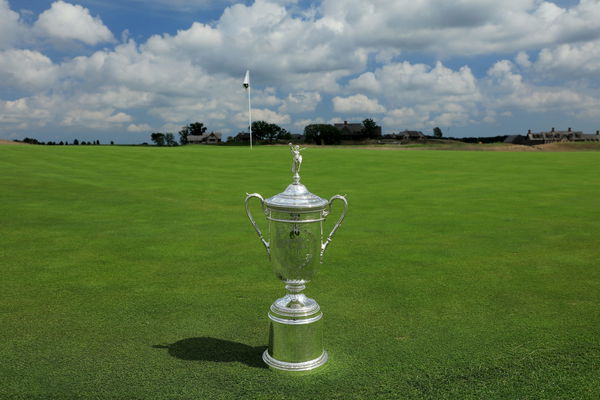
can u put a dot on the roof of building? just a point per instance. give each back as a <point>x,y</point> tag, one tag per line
<point>411,133</point>
<point>349,127</point>
<point>204,136</point>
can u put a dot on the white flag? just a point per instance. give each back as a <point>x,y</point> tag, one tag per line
<point>247,79</point>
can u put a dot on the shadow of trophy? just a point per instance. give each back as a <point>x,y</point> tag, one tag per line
<point>215,350</point>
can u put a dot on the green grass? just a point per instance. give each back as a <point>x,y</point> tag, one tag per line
<point>133,273</point>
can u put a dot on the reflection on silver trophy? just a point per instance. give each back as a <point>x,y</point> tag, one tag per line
<point>295,247</point>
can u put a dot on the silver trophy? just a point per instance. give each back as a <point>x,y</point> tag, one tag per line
<point>295,247</point>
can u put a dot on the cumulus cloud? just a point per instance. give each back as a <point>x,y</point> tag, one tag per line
<point>523,59</point>
<point>95,118</point>
<point>300,102</point>
<point>138,128</point>
<point>12,29</point>
<point>419,95</point>
<point>27,70</point>
<point>421,83</point>
<point>265,114</point>
<point>365,82</point>
<point>568,61</point>
<point>22,113</point>
<point>65,21</point>
<point>405,118</point>
<point>464,27</point>
<point>266,97</point>
<point>120,97</point>
<point>357,104</point>
<point>277,46</point>
<point>508,89</point>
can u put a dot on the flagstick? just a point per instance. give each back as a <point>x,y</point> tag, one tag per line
<point>249,117</point>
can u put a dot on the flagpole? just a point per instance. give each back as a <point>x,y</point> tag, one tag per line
<point>246,86</point>
<point>249,117</point>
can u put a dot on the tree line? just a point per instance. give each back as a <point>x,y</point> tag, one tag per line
<point>262,132</point>
<point>75,142</point>
<point>326,134</point>
<point>267,132</point>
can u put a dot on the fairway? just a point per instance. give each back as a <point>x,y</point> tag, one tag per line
<point>133,273</point>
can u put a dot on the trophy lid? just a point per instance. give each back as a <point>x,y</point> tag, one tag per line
<point>296,196</point>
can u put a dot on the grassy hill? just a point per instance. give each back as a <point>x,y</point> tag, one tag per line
<point>133,273</point>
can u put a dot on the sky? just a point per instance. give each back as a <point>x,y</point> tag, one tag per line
<point>108,70</point>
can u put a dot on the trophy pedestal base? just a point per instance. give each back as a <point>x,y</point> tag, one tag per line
<point>301,366</point>
<point>295,337</point>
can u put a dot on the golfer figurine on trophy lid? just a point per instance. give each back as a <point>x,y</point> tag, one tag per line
<point>295,246</point>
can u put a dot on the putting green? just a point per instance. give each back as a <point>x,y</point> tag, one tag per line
<point>133,273</point>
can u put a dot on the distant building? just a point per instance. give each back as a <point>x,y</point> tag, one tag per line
<point>412,135</point>
<point>354,131</point>
<point>211,138</point>
<point>553,136</point>
<point>561,136</point>
<point>349,131</point>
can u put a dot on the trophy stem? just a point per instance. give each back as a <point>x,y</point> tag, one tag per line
<point>295,299</point>
<point>295,287</point>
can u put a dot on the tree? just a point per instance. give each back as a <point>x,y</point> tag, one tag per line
<point>195,128</point>
<point>259,130</point>
<point>322,134</point>
<point>170,139</point>
<point>158,138</point>
<point>370,129</point>
<point>31,141</point>
<point>263,130</point>
<point>284,135</point>
<point>75,142</point>
<point>111,142</point>
<point>437,132</point>
<point>312,134</point>
<point>183,135</point>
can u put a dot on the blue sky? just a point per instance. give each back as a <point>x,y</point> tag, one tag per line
<point>93,69</point>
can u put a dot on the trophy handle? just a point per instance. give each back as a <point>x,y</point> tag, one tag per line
<point>262,203</point>
<point>337,224</point>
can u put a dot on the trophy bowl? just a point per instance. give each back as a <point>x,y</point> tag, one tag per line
<point>295,248</point>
